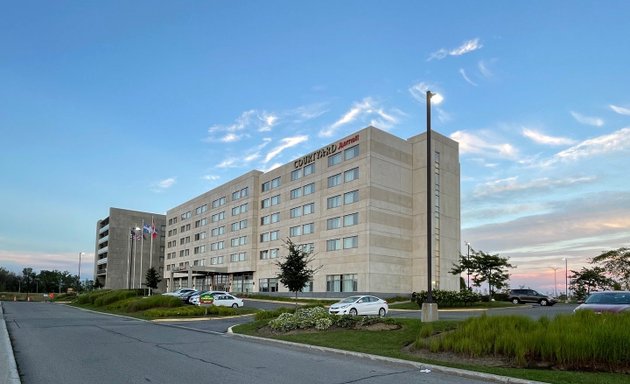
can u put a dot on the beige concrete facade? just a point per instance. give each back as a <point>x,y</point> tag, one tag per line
<point>359,202</point>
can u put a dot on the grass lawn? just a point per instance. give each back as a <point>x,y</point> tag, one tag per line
<point>391,344</point>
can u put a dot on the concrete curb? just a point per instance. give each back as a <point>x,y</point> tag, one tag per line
<point>10,375</point>
<point>420,366</point>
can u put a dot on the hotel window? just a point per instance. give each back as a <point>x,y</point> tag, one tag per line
<point>295,212</point>
<point>335,159</point>
<point>269,219</point>
<point>342,283</point>
<point>275,217</point>
<point>333,245</point>
<point>200,236</point>
<point>309,169</point>
<point>351,152</point>
<point>199,249</point>
<point>240,194</point>
<point>296,174</point>
<point>334,180</point>
<point>186,215</point>
<point>269,254</point>
<point>238,241</point>
<point>295,231</point>
<point>184,240</point>
<point>204,221</point>
<point>351,219</point>
<point>308,209</point>
<point>216,246</point>
<point>268,285</point>
<point>216,260</point>
<point>351,174</point>
<point>238,225</point>
<point>308,287</point>
<point>350,242</point>
<point>275,200</point>
<point>269,185</point>
<point>308,228</point>
<point>333,201</point>
<point>184,252</point>
<point>351,197</point>
<point>295,193</point>
<point>218,231</point>
<point>308,247</point>
<point>201,209</point>
<point>218,216</point>
<point>309,188</point>
<point>218,202</point>
<point>333,223</point>
<point>269,236</point>
<point>239,209</point>
<point>236,257</point>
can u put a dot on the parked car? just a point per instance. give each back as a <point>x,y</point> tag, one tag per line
<point>360,305</point>
<point>518,296</point>
<point>227,300</point>
<point>194,299</point>
<point>606,301</point>
<point>179,292</point>
<point>187,295</point>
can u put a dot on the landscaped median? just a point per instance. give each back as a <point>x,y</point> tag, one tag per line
<point>496,336</point>
<point>132,303</point>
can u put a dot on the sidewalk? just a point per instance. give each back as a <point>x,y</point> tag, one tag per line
<point>10,375</point>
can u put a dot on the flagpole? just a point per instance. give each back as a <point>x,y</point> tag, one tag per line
<point>130,248</point>
<point>135,261</point>
<point>141,252</point>
<point>151,249</point>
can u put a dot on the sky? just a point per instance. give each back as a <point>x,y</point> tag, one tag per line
<point>144,105</point>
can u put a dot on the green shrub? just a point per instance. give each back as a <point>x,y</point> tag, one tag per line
<point>266,315</point>
<point>157,301</point>
<point>584,341</point>
<point>446,299</point>
<point>113,296</point>
<point>89,298</point>
<point>190,311</point>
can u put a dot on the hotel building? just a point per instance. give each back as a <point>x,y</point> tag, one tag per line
<point>359,204</point>
<point>126,248</point>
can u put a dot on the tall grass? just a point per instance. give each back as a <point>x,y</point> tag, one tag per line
<point>584,341</point>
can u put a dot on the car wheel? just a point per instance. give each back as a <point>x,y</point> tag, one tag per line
<point>353,312</point>
<point>544,302</point>
<point>381,312</point>
<point>234,305</point>
<point>515,301</point>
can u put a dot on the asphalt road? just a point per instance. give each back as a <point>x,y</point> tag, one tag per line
<point>54,343</point>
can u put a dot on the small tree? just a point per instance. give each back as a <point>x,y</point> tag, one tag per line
<point>152,278</point>
<point>486,267</point>
<point>616,263</point>
<point>295,272</point>
<point>588,279</point>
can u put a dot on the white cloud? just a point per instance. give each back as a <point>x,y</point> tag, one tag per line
<point>366,110</point>
<point>271,167</point>
<point>419,92</point>
<point>620,110</point>
<point>483,68</point>
<point>512,184</point>
<point>230,138</point>
<point>211,177</point>
<point>468,80</point>
<point>262,121</point>
<point>614,142</point>
<point>466,47</point>
<point>541,138</point>
<point>469,143</point>
<point>594,121</point>
<point>227,163</point>
<point>287,142</point>
<point>163,184</point>
<point>268,121</point>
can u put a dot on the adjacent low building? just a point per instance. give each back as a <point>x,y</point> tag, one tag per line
<point>359,204</point>
<point>128,243</point>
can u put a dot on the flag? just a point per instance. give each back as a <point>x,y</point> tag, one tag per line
<point>146,228</point>
<point>154,231</point>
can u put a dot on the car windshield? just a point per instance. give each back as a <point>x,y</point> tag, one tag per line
<point>350,299</point>
<point>609,298</point>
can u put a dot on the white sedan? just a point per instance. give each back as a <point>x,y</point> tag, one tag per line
<point>360,305</point>
<point>225,300</point>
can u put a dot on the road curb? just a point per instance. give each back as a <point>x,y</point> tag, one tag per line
<point>420,366</point>
<point>7,359</point>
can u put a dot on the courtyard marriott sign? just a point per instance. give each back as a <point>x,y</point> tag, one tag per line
<point>324,152</point>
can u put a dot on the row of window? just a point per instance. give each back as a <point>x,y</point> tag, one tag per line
<point>334,283</point>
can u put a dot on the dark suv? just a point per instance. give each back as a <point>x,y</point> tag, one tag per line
<point>518,296</point>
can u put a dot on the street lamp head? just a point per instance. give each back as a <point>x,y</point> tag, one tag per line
<point>434,98</point>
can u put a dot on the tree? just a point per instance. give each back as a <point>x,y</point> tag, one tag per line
<point>466,264</point>
<point>295,272</point>
<point>616,264</point>
<point>97,284</point>
<point>588,279</point>
<point>152,278</point>
<point>486,267</point>
<point>28,277</point>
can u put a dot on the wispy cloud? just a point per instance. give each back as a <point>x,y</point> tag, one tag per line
<point>211,177</point>
<point>468,80</point>
<point>230,162</point>
<point>366,110</point>
<point>261,121</point>
<point>484,69</point>
<point>594,121</point>
<point>307,112</point>
<point>620,110</point>
<point>163,185</point>
<point>285,143</point>
<point>512,185</point>
<point>466,47</point>
<point>488,145</point>
<point>614,142</point>
<point>541,138</point>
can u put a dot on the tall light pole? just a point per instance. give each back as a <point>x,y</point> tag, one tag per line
<point>468,266</point>
<point>555,281</point>
<point>429,308</point>
<point>566,278</point>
